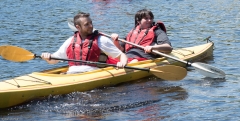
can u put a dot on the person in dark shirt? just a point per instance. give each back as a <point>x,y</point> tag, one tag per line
<point>147,34</point>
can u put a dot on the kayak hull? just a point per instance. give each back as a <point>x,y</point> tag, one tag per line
<point>49,82</point>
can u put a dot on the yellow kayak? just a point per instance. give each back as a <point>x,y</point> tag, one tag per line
<point>39,84</point>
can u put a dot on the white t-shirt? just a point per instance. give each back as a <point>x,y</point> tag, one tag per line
<point>104,43</point>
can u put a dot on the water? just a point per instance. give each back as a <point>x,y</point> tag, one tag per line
<point>40,26</point>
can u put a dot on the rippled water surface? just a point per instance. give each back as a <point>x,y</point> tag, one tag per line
<point>40,26</point>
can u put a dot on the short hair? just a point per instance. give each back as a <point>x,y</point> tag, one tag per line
<point>79,15</point>
<point>141,14</point>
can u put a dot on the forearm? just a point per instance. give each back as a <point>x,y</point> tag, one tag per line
<point>166,48</point>
<point>47,57</point>
<point>52,61</point>
<point>116,43</point>
<point>123,58</point>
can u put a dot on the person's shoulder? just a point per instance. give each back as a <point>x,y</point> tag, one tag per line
<point>158,31</point>
<point>69,39</point>
<point>104,39</point>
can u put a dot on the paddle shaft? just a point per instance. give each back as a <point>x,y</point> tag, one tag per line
<point>99,63</point>
<point>154,51</point>
<point>166,72</point>
<point>176,73</point>
<point>202,68</point>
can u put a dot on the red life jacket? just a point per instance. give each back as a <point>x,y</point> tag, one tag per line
<point>143,37</point>
<point>87,51</point>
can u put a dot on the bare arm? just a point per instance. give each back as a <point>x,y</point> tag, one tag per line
<point>116,42</point>
<point>165,48</point>
<point>123,60</point>
<point>162,43</point>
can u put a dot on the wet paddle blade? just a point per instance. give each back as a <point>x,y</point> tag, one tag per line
<point>16,54</point>
<point>169,72</point>
<point>71,25</point>
<point>208,71</point>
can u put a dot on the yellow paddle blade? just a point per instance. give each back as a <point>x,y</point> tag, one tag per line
<point>16,54</point>
<point>169,72</point>
<point>2,48</point>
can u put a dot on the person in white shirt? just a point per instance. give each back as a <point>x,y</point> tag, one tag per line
<point>86,45</point>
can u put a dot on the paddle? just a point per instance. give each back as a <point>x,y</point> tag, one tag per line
<point>167,72</point>
<point>202,68</point>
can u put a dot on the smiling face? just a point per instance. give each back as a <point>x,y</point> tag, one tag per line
<point>144,18</point>
<point>146,22</point>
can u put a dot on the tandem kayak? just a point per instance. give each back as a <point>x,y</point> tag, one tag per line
<point>24,88</point>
